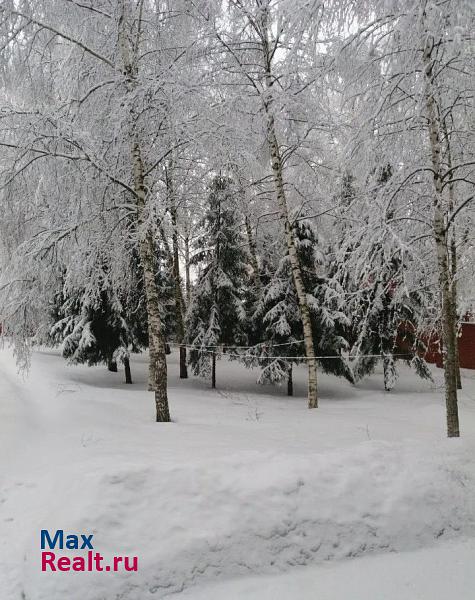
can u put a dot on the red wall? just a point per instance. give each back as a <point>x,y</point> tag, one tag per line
<point>467,346</point>
<point>466,342</point>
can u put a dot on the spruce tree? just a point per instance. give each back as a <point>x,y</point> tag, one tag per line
<point>91,328</point>
<point>216,315</point>
<point>386,321</point>
<point>278,311</point>
<point>385,314</point>
<point>100,326</point>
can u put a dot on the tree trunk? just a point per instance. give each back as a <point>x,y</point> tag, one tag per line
<point>179,304</point>
<point>183,368</point>
<point>146,239</point>
<point>448,329</point>
<point>277,171</point>
<point>147,247</point>
<point>187,271</point>
<point>290,382</point>
<point>213,370</point>
<point>453,264</point>
<point>453,254</point>
<point>440,234</point>
<point>128,374</point>
<point>389,373</point>
<point>111,365</point>
<point>183,365</point>
<point>151,362</point>
<point>295,265</point>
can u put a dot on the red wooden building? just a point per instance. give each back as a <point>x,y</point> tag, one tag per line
<point>466,342</point>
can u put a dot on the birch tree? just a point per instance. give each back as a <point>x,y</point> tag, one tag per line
<point>264,44</point>
<point>109,71</point>
<point>414,64</point>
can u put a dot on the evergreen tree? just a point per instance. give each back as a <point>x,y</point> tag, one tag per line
<point>385,316</point>
<point>216,315</point>
<point>268,260</point>
<point>91,328</point>
<point>104,326</point>
<point>166,290</point>
<point>278,311</point>
<point>100,326</point>
<point>386,321</point>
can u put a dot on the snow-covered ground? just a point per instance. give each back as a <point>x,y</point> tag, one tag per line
<point>247,494</point>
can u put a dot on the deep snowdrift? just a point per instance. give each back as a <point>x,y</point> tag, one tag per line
<point>261,513</point>
<point>222,494</point>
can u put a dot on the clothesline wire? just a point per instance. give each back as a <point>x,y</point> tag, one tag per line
<point>309,357</point>
<point>265,357</point>
<point>232,347</point>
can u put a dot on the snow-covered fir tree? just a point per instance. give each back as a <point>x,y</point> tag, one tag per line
<point>385,314</point>
<point>216,315</point>
<point>281,344</point>
<point>92,329</point>
<point>101,321</point>
<point>386,323</point>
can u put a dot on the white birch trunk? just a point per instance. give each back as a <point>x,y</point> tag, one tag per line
<point>276,162</point>
<point>147,246</point>
<point>277,171</point>
<point>440,234</point>
<point>453,253</point>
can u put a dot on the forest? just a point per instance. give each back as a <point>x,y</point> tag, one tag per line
<point>284,181</point>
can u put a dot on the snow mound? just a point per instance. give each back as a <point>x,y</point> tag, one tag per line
<point>253,513</point>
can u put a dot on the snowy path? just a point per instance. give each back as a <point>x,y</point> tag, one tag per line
<point>245,482</point>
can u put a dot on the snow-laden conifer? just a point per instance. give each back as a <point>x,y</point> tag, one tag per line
<point>278,311</point>
<point>216,315</point>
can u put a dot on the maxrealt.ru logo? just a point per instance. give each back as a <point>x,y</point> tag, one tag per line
<point>90,561</point>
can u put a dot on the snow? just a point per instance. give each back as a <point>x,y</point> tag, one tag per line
<point>247,494</point>
<point>436,573</point>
